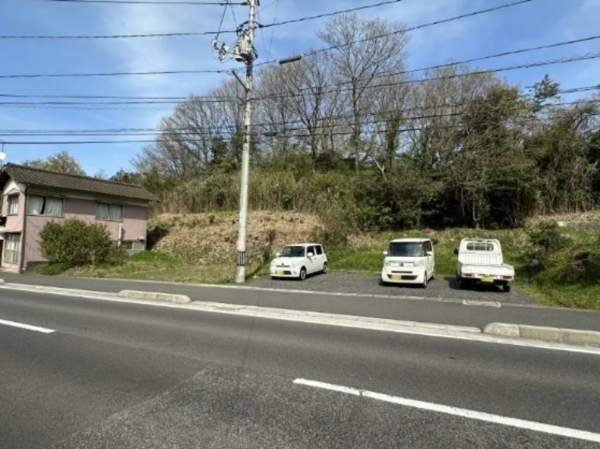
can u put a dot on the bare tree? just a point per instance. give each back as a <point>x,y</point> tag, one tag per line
<point>363,50</point>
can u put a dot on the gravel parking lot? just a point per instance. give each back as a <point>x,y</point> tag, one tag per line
<point>441,288</point>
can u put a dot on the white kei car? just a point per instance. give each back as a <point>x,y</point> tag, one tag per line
<point>299,260</point>
<point>409,261</point>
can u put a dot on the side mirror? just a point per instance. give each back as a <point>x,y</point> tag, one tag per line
<point>456,252</point>
<point>385,253</point>
<point>311,255</point>
<point>429,253</point>
<point>278,254</point>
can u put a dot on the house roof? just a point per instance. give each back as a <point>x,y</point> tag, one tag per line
<point>45,178</point>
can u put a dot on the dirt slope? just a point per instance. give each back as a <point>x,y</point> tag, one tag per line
<point>211,238</point>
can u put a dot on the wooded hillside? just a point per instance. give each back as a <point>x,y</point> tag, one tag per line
<point>367,143</point>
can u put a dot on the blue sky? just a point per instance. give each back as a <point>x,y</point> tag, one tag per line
<point>539,22</point>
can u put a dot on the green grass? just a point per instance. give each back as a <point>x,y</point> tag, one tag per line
<point>156,266</point>
<point>366,259</point>
<point>367,255</point>
<point>364,254</point>
<point>569,296</point>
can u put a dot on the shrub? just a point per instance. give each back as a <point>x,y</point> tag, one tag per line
<point>556,257</point>
<point>545,242</point>
<point>54,269</point>
<point>76,243</point>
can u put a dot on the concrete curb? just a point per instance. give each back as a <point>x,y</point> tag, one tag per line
<point>543,333</point>
<point>331,318</point>
<point>155,296</point>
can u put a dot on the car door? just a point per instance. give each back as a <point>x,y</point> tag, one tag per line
<point>430,258</point>
<point>320,257</point>
<point>312,264</point>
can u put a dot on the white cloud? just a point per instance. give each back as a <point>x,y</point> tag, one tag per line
<point>165,53</point>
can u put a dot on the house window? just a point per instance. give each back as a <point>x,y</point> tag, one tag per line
<point>11,250</point>
<point>109,212</point>
<point>41,205</point>
<point>13,204</point>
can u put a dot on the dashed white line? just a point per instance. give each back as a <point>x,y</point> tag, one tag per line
<point>460,412</point>
<point>29,327</point>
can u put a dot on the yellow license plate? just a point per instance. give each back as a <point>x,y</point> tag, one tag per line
<point>279,272</point>
<point>396,277</point>
<point>487,279</point>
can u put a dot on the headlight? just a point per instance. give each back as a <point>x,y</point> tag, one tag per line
<point>419,263</point>
<point>295,264</point>
<point>273,262</point>
<point>390,264</point>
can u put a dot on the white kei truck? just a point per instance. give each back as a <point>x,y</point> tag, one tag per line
<point>480,261</point>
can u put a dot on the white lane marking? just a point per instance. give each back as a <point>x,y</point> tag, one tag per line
<point>460,412</point>
<point>29,327</point>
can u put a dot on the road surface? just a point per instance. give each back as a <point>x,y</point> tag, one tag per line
<point>424,310</point>
<point>82,373</point>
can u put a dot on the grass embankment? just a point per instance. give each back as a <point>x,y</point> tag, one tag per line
<point>200,249</point>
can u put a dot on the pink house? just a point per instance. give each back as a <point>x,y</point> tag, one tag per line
<point>32,197</point>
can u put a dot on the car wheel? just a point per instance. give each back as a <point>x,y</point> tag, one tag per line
<point>506,288</point>
<point>325,268</point>
<point>462,282</point>
<point>424,284</point>
<point>302,274</point>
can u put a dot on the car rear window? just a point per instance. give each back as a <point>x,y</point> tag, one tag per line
<point>480,246</point>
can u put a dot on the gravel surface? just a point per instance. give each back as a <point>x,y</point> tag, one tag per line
<point>441,288</point>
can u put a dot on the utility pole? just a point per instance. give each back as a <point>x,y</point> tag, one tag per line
<point>246,52</point>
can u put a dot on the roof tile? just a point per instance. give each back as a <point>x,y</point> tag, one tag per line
<point>45,178</point>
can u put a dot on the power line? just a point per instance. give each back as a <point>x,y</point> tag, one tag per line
<point>142,2</point>
<point>221,23</point>
<point>80,75</point>
<point>273,30</point>
<point>213,131</point>
<point>300,91</point>
<point>115,36</point>
<point>406,30</point>
<point>335,133</point>
<point>329,14</point>
<point>204,33</point>
<point>225,99</point>
<point>269,25</point>
<point>563,91</point>
<point>103,97</point>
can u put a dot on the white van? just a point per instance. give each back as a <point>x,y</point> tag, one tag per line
<point>409,261</point>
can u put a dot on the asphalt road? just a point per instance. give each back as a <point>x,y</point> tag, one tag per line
<point>431,310</point>
<point>120,375</point>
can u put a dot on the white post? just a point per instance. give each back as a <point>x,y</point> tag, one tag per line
<point>243,224</point>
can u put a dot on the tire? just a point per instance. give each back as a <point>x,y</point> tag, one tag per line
<point>325,268</point>
<point>506,288</point>
<point>462,283</point>
<point>302,274</point>
<point>424,284</point>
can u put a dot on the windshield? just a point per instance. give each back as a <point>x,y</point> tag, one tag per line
<point>406,249</point>
<point>293,251</point>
